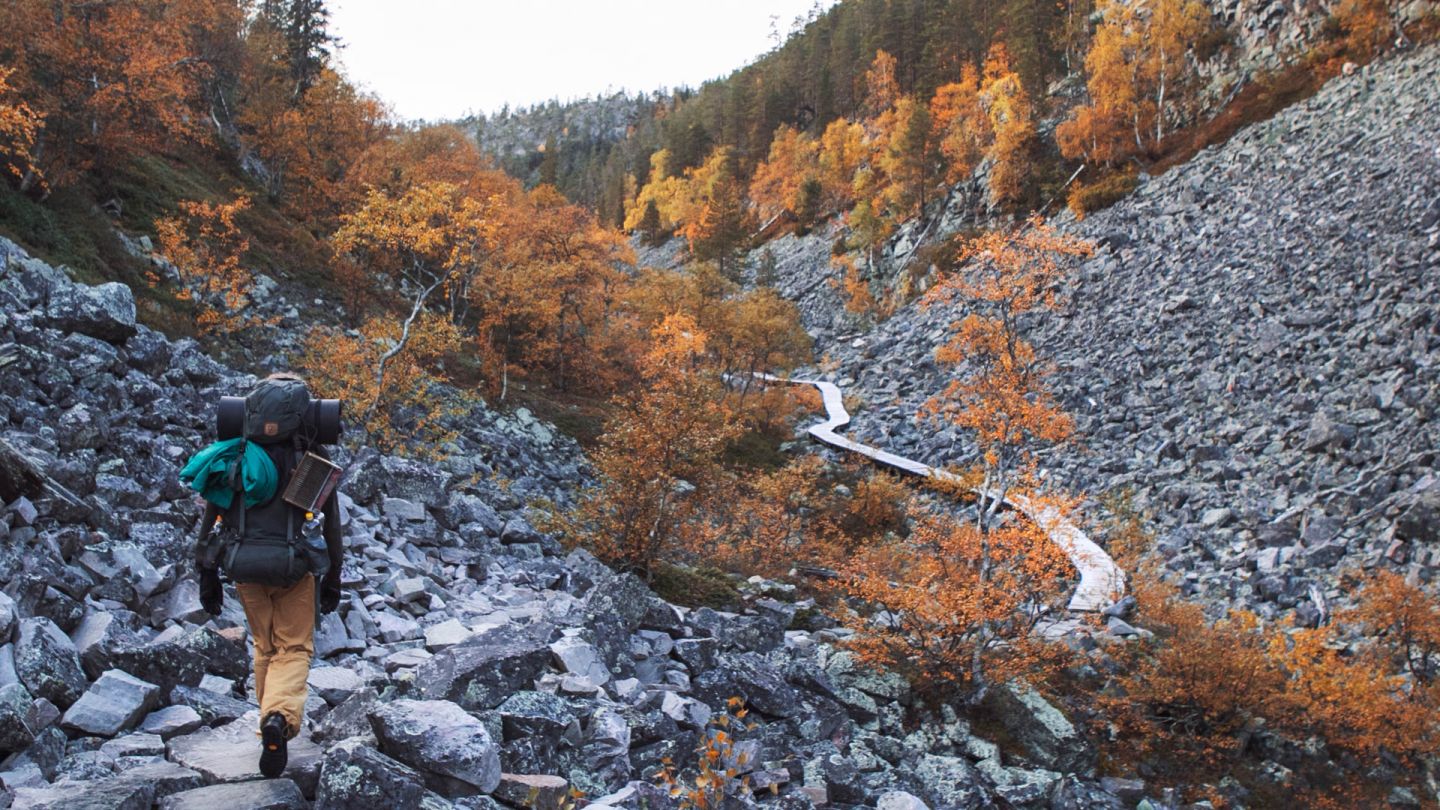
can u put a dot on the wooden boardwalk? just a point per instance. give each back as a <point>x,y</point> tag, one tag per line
<point>1101,580</point>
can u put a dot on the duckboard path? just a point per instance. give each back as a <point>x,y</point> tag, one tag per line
<point>1101,580</point>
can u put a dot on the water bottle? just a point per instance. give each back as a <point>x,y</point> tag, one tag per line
<point>314,524</point>
<point>314,534</point>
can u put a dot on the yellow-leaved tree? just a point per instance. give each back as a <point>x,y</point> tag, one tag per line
<point>954,606</point>
<point>206,246</point>
<point>659,455</point>
<point>19,125</point>
<point>1137,67</point>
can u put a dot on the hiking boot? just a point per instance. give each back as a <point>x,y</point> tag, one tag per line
<point>273,736</point>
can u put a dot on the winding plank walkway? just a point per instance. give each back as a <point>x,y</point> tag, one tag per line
<point>1101,580</point>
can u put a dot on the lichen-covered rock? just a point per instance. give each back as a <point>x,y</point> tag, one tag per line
<point>15,706</point>
<point>106,311</point>
<point>268,794</point>
<point>483,670</point>
<point>438,738</point>
<point>1046,734</point>
<point>354,776</point>
<point>111,705</point>
<point>47,663</point>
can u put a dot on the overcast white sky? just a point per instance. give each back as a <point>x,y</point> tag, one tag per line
<point>440,59</point>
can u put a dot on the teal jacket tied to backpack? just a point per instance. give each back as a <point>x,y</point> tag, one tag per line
<point>209,473</point>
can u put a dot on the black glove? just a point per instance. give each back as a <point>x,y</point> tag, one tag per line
<point>212,594</point>
<point>330,592</point>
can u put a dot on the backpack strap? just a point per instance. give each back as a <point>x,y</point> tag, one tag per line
<point>237,482</point>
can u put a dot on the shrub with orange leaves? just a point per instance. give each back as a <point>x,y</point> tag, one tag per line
<point>1367,26</point>
<point>1190,696</point>
<point>659,456</point>
<point>954,606</point>
<point>1192,689</point>
<point>715,779</point>
<point>399,410</point>
<point>206,246</point>
<point>1376,697</point>
<point>19,125</point>
<point>858,298</point>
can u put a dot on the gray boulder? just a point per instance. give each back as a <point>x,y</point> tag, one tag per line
<point>354,776</point>
<point>231,753</point>
<point>47,663</point>
<point>15,706</point>
<point>483,670</point>
<point>119,793</point>
<point>1048,737</point>
<point>111,705</point>
<point>172,721</point>
<point>438,738</point>
<point>106,312</point>
<point>951,782</point>
<point>8,618</point>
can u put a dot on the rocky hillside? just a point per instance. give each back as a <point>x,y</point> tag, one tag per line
<point>1253,352</point>
<point>473,662</point>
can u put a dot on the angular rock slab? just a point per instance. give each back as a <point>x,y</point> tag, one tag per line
<point>15,706</point>
<point>172,721</point>
<point>537,791</point>
<point>439,738</point>
<point>121,793</point>
<point>1046,734</point>
<point>47,663</point>
<point>111,705</point>
<point>231,753</point>
<point>354,776</point>
<point>483,670</point>
<point>268,794</point>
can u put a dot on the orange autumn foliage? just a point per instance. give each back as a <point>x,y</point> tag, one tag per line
<point>109,80</point>
<point>960,603</point>
<point>1137,70</point>
<point>960,125</point>
<point>1380,697</point>
<point>19,125</point>
<point>1007,106</point>
<point>955,605</point>
<point>1002,397</point>
<point>207,246</point>
<point>1191,690</point>
<point>399,411</point>
<point>779,181</point>
<point>1189,697</point>
<point>881,88</point>
<point>659,456</point>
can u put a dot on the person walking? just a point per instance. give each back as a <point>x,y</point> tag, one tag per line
<point>269,548</point>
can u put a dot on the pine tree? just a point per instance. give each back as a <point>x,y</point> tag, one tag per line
<point>550,163</point>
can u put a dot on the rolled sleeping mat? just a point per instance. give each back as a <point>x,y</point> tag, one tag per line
<point>230,418</point>
<point>324,419</point>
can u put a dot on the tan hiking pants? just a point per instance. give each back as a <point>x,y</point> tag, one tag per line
<point>282,624</point>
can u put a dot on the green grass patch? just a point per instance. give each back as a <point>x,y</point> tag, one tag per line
<point>695,587</point>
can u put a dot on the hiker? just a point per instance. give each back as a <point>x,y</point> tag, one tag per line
<point>270,547</point>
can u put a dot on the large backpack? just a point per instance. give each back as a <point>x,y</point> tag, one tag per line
<point>269,546</point>
<point>275,410</point>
